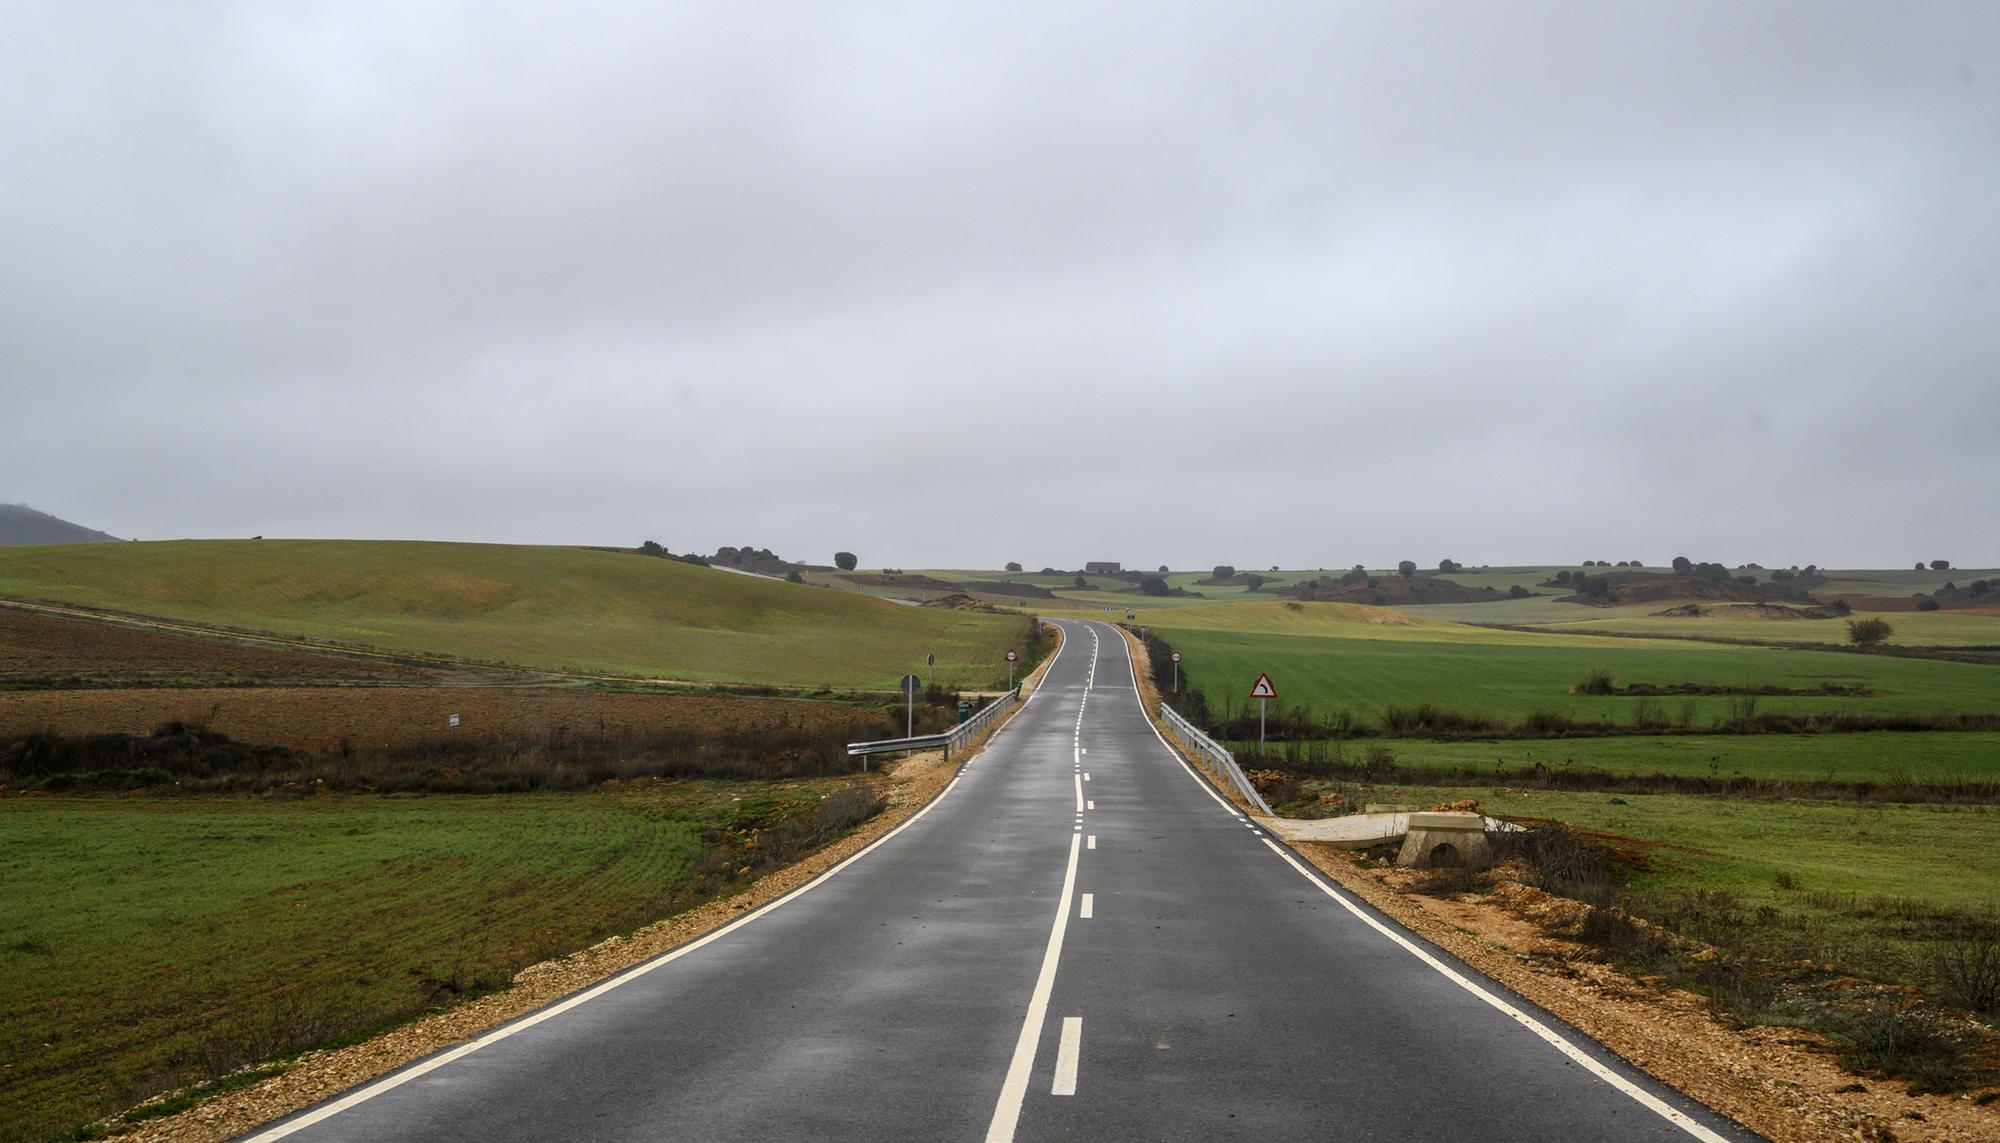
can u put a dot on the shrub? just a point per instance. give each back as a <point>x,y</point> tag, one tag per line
<point>794,577</point>
<point>845,561</point>
<point>1517,592</point>
<point>1868,632</point>
<point>1883,1037</point>
<point>1153,585</point>
<point>1407,568</point>
<point>1432,718</point>
<point>1597,682</point>
<point>1224,571</point>
<point>1928,604</point>
<point>1967,972</point>
<point>1254,581</point>
<point>1547,723</point>
<point>1013,566</point>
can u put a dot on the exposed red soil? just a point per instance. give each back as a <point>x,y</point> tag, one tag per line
<point>36,643</point>
<point>1393,589</point>
<point>321,718</point>
<point>1651,587</point>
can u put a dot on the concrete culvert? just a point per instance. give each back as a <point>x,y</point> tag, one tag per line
<point>1448,840</point>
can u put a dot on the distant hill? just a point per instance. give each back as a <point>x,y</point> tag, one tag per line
<point>20,524</point>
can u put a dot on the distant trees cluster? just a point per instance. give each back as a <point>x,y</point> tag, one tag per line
<point>656,549</point>
<point>1687,567</point>
<point>845,561</point>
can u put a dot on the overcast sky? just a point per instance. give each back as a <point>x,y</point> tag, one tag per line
<point>1305,284</point>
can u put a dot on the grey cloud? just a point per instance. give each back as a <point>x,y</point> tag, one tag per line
<point>1305,284</point>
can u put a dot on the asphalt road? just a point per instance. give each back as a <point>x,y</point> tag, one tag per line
<point>1078,940</point>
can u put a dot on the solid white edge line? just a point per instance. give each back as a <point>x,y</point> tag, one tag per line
<point>1067,1052</point>
<point>1555,1039</point>
<point>425,1067</point>
<point>1561,1043</point>
<point>1007,1112</point>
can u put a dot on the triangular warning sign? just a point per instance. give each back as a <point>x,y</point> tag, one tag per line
<point>1263,689</point>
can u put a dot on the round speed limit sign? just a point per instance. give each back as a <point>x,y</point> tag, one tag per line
<point>1176,656</point>
<point>1013,657</point>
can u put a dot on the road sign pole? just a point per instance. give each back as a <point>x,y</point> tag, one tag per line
<point>1261,704</point>
<point>1177,676</point>
<point>909,714</point>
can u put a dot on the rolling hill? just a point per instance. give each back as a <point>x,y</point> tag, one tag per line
<point>560,608</point>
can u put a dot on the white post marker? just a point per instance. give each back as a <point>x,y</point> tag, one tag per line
<point>1263,692</point>
<point>454,722</point>
<point>911,685</point>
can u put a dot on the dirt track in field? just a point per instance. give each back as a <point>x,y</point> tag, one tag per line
<point>35,643</point>
<point>320,718</point>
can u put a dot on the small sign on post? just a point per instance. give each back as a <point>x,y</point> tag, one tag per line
<point>1176,657</point>
<point>454,722</point>
<point>930,666</point>
<point>1012,658</point>
<point>1263,692</point>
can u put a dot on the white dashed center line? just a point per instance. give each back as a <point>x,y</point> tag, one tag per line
<point>1066,1054</point>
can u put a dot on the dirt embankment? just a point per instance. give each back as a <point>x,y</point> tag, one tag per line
<point>36,644</point>
<point>1779,1082</point>
<point>1651,587</point>
<point>322,718</point>
<point>1772,611</point>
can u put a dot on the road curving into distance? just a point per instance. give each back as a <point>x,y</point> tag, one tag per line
<point>1077,940</point>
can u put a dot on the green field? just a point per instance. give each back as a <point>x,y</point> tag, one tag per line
<point>1876,756</point>
<point>557,608</point>
<point>1326,657</point>
<point>1911,628</point>
<point>146,942</point>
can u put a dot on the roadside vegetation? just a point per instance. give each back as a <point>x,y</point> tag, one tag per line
<point>1874,927</point>
<point>1804,836</point>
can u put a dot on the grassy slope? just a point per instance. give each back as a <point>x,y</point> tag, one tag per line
<point>1329,656</point>
<point>147,942</point>
<point>1911,628</point>
<point>542,606</point>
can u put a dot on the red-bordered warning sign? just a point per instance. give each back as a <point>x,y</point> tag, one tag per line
<point>1263,687</point>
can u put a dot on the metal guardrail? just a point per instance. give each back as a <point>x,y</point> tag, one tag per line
<point>1207,750</point>
<point>957,736</point>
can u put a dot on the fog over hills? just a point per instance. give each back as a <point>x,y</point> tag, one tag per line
<point>20,524</point>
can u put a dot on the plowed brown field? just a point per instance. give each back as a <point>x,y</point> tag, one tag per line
<point>32,643</point>
<point>319,718</point>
